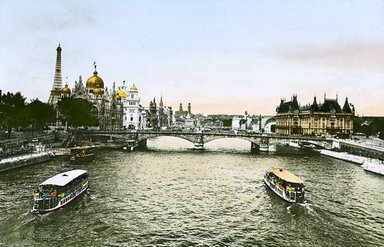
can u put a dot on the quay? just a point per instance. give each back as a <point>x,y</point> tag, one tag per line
<point>367,147</point>
<point>23,160</point>
<point>368,153</point>
<point>344,156</point>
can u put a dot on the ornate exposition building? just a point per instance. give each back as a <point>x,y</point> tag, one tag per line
<point>114,108</point>
<point>107,105</point>
<point>324,119</point>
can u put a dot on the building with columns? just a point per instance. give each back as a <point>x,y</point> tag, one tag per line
<point>318,119</point>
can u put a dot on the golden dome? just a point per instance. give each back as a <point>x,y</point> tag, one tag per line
<point>94,80</point>
<point>133,87</point>
<point>66,90</point>
<point>98,90</point>
<point>121,94</point>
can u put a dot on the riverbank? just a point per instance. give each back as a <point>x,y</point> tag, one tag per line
<point>24,160</point>
<point>368,164</point>
<point>344,156</point>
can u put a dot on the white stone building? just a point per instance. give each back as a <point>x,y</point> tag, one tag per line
<point>133,112</point>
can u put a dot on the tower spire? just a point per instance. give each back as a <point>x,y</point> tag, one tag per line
<point>161,105</point>
<point>57,82</point>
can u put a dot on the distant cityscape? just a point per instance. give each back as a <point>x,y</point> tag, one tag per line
<point>120,107</point>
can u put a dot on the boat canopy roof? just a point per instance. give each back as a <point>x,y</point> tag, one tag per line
<point>64,178</point>
<point>285,175</point>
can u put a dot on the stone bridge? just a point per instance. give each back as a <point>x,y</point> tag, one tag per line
<point>133,139</point>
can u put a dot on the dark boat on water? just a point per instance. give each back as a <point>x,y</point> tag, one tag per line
<point>81,153</point>
<point>59,190</point>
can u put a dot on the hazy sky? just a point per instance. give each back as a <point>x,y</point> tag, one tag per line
<point>221,56</point>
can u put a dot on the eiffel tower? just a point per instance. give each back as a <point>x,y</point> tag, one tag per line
<point>57,83</point>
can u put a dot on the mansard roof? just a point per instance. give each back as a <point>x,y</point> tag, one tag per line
<point>347,107</point>
<point>290,106</point>
<point>327,106</point>
<point>315,106</point>
<point>330,104</point>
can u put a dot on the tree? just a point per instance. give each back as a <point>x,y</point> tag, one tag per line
<point>12,111</point>
<point>39,114</point>
<point>77,112</point>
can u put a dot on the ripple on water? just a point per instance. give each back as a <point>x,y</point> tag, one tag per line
<point>186,198</point>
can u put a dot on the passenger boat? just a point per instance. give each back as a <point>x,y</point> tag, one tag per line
<point>59,190</point>
<point>81,153</point>
<point>285,184</point>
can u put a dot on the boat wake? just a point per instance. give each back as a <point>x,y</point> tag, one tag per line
<point>304,207</point>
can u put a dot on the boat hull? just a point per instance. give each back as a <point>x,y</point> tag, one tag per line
<point>87,157</point>
<point>63,202</point>
<point>280,193</point>
<point>276,191</point>
<point>374,166</point>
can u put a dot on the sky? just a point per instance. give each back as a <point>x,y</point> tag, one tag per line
<point>222,56</point>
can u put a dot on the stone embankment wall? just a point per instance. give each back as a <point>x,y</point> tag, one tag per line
<point>23,145</point>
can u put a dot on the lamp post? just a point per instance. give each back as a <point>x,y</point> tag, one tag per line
<point>246,120</point>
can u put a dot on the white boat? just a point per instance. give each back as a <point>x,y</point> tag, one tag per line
<point>344,156</point>
<point>59,190</point>
<point>294,143</point>
<point>267,148</point>
<point>285,184</point>
<point>309,146</point>
<point>374,165</point>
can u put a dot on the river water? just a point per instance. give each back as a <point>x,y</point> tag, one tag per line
<point>170,195</point>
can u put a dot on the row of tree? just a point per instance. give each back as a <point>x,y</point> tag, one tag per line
<point>16,113</point>
<point>369,126</point>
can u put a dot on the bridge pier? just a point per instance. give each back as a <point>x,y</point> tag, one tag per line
<point>198,146</point>
<point>130,145</point>
<point>255,148</point>
<point>142,144</point>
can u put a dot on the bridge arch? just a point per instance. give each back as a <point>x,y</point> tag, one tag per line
<point>269,125</point>
<point>202,139</point>
<point>198,139</point>
<point>251,140</point>
<point>154,136</point>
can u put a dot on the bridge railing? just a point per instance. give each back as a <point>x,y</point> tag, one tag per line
<point>207,133</point>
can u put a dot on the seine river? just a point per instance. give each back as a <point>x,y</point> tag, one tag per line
<point>170,195</point>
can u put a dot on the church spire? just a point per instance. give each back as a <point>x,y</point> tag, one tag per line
<point>57,82</point>
<point>161,104</point>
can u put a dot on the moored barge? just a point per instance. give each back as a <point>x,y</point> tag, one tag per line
<point>81,153</point>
